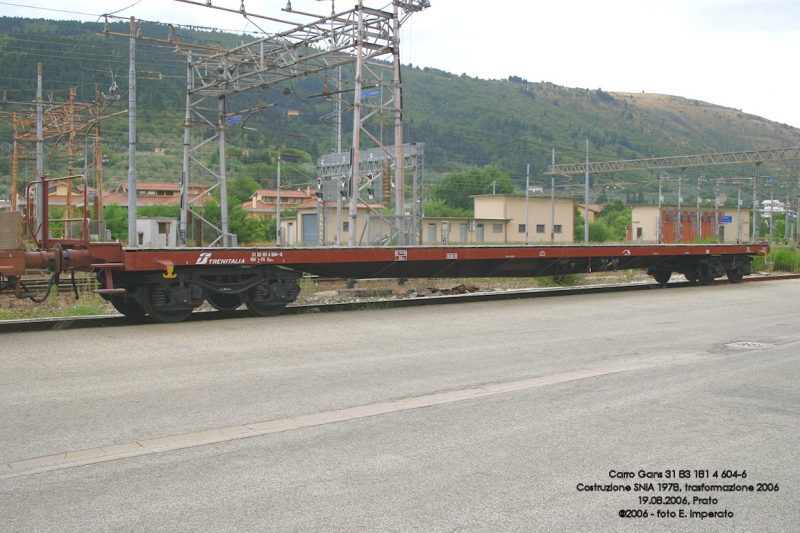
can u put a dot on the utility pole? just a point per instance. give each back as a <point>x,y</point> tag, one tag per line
<point>399,166</point>
<point>698,227</point>
<point>98,159</point>
<point>679,218</point>
<point>788,221</point>
<point>338,113</point>
<point>355,151</point>
<point>41,232</point>
<point>278,203</point>
<point>553,203</point>
<point>756,214</point>
<point>739,213</point>
<point>586,199</point>
<point>771,213</point>
<point>716,210</point>
<point>187,124</point>
<point>223,166</point>
<point>527,196</point>
<point>133,240</point>
<point>660,202</point>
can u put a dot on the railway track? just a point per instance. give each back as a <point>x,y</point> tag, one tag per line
<point>61,323</point>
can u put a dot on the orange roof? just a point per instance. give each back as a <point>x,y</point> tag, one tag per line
<point>260,206</point>
<point>330,203</point>
<point>121,198</point>
<point>284,194</point>
<point>158,186</point>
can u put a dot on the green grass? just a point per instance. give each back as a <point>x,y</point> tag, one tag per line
<point>88,305</point>
<point>784,259</point>
<point>563,280</point>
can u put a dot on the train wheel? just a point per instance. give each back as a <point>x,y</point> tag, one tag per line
<point>258,302</point>
<point>690,276</point>
<point>734,274</point>
<point>127,307</point>
<point>156,307</point>
<point>662,277</point>
<point>224,302</point>
<point>704,274</point>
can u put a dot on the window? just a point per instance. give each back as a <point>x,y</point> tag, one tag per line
<point>346,226</point>
<point>522,228</point>
<point>497,228</point>
<point>557,228</point>
<point>539,228</point>
<point>163,228</point>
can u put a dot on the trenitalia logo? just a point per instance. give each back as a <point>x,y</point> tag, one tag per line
<point>205,259</point>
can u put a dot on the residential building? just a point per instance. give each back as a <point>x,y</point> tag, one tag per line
<point>594,209</point>
<point>263,201</point>
<point>157,193</point>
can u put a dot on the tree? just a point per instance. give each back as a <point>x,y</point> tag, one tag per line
<point>241,189</point>
<point>438,208</point>
<point>455,189</point>
<point>616,217</point>
<point>578,234</point>
<point>599,232</point>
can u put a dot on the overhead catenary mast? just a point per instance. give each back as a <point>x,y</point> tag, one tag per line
<point>355,36</point>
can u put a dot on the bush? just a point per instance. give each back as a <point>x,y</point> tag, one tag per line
<point>599,232</point>
<point>784,259</point>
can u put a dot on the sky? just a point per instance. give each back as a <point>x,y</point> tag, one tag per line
<point>734,53</point>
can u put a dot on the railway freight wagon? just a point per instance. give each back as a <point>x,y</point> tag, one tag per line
<point>169,283</point>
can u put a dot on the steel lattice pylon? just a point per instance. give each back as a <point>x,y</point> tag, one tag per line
<point>353,37</point>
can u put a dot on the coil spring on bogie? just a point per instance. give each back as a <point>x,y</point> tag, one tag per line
<point>294,291</point>
<point>159,297</point>
<point>260,293</point>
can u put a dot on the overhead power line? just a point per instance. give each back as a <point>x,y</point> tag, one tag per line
<point>681,161</point>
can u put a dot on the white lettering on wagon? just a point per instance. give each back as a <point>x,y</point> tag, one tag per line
<point>264,257</point>
<point>206,259</point>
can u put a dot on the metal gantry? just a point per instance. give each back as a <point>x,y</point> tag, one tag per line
<point>73,124</point>
<point>334,170</point>
<point>357,36</point>
<point>756,157</point>
<point>680,161</point>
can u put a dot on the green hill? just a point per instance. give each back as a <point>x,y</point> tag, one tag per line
<point>464,122</point>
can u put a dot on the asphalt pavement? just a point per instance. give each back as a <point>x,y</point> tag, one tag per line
<point>666,410</point>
